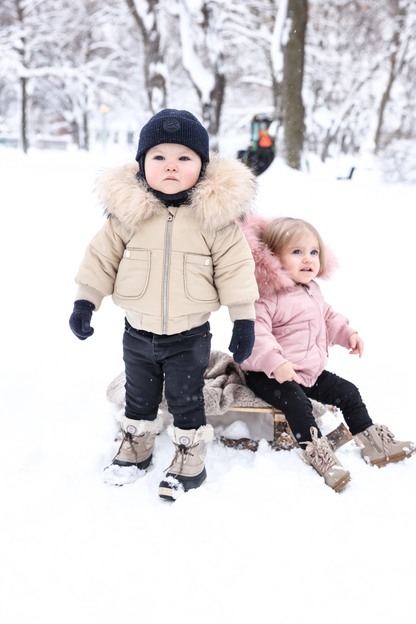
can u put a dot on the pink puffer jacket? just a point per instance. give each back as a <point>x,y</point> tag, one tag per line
<point>293,322</point>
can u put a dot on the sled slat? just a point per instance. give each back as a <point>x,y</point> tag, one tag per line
<point>277,414</point>
<point>282,435</point>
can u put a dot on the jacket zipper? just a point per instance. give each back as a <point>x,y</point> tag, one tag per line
<point>307,290</point>
<point>317,305</point>
<point>166,272</point>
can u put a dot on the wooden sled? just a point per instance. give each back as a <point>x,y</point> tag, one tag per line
<point>282,435</point>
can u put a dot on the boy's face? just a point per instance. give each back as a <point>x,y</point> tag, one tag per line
<point>171,168</point>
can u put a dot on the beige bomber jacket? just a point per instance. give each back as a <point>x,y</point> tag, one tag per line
<point>169,268</point>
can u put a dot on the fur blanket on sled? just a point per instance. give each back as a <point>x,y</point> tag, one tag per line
<point>225,387</point>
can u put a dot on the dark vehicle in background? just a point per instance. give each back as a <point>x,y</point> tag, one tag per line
<point>261,150</point>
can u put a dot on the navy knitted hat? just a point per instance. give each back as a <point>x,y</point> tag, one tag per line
<point>174,126</point>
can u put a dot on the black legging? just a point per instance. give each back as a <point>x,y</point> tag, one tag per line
<point>293,400</point>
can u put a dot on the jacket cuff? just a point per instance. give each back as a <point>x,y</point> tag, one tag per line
<point>89,294</point>
<point>242,311</point>
<point>343,335</point>
<point>269,361</point>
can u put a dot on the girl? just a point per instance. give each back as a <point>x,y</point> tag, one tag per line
<point>294,327</point>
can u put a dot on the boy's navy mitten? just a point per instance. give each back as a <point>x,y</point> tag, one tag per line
<point>242,340</point>
<point>80,319</point>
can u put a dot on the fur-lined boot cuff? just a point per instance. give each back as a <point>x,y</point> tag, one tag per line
<point>203,434</point>
<point>142,426</point>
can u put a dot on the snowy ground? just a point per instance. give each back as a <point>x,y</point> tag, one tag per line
<point>265,540</point>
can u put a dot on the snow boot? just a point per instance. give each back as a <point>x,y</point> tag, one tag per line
<point>320,456</point>
<point>135,453</point>
<point>187,470</point>
<point>379,446</point>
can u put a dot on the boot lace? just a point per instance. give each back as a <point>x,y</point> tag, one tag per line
<point>319,453</point>
<point>128,439</point>
<point>387,437</point>
<point>181,451</point>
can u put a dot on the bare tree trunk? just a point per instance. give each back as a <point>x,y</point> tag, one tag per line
<point>277,105</point>
<point>383,104</point>
<point>219,94</point>
<point>293,108</point>
<point>155,81</point>
<point>277,96</point>
<point>23,121</point>
<point>23,83</point>
<point>86,131</point>
<point>211,111</point>
<point>75,133</point>
<point>208,77</point>
<point>326,144</point>
<point>276,80</point>
<point>395,68</point>
<point>212,108</point>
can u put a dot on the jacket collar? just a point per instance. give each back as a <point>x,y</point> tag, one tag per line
<point>225,194</point>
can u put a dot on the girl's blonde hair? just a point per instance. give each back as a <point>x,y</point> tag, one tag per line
<point>281,231</point>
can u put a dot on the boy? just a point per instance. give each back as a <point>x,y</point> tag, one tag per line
<point>170,253</point>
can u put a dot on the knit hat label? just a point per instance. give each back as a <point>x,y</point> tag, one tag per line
<point>171,125</point>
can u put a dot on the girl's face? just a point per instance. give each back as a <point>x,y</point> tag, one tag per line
<point>301,258</point>
<point>171,168</point>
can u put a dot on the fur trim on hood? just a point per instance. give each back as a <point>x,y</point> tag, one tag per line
<point>225,194</point>
<point>270,274</point>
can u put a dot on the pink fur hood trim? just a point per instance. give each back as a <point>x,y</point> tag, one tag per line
<point>270,275</point>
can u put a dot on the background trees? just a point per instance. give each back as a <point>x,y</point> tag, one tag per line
<point>339,74</point>
<point>293,45</point>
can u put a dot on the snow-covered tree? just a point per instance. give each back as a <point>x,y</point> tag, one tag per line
<point>203,57</point>
<point>21,37</point>
<point>223,59</point>
<point>64,60</point>
<point>90,67</point>
<point>150,18</point>
<point>288,55</point>
<point>400,51</point>
<point>353,51</point>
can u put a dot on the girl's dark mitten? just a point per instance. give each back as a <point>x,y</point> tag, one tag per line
<point>242,340</point>
<point>80,319</point>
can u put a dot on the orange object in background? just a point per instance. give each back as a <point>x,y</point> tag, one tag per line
<point>265,140</point>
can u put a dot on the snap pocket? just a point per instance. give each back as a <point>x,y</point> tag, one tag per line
<point>133,274</point>
<point>198,273</point>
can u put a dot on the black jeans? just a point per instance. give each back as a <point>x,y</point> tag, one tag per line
<point>293,400</point>
<point>180,360</point>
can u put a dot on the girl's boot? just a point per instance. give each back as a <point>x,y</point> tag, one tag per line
<point>187,470</point>
<point>379,446</point>
<point>135,453</point>
<point>320,456</point>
